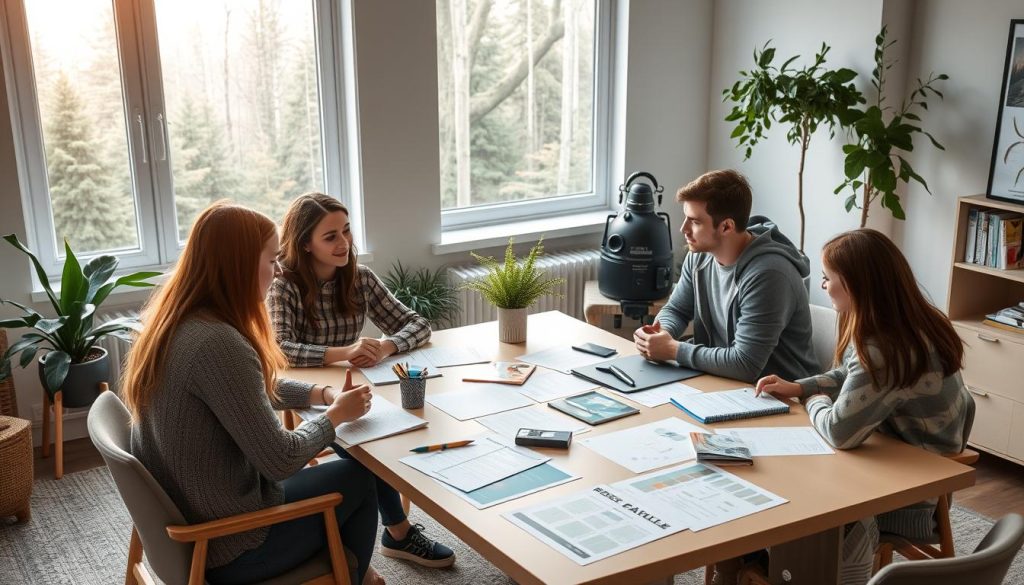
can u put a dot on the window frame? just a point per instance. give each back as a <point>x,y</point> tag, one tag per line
<point>147,139</point>
<point>601,197</point>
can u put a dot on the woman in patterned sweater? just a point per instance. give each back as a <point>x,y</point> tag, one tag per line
<point>318,307</point>
<point>898,371</point>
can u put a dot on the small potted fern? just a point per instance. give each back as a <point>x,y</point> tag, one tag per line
<point>428,293</point>
<point>512,287</point>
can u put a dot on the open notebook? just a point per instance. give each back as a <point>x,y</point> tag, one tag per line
<point>711,407</point>
<point>384,420</point>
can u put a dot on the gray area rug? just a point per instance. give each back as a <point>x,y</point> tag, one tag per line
<point>79,534</point>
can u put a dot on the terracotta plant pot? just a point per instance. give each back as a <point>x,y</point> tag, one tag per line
<point>511,325</point>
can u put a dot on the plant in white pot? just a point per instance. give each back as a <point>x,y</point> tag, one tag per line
<point>74,364</point>
<point>512,287</point>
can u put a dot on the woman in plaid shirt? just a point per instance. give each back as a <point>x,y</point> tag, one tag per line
<point>318,307</point>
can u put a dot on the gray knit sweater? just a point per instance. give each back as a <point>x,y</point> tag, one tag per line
<point>846,408</point>
<point>211,438</point>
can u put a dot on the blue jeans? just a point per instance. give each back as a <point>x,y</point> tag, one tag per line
<point>389,501</point>
<point>289,544</point>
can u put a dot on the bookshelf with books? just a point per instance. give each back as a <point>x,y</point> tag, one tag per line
<point>993,353</point>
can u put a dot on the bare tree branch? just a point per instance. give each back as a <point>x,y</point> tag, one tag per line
<point>482,104</point>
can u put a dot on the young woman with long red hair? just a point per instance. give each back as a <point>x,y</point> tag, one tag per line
<point>319,306</point>
<point>898,372</point>
<point>201,384</point>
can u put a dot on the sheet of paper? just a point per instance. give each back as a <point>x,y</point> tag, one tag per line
<point>647,447</point>
<point>443,357</point>
<point>474,466</point>
<point>381,374</point>
<point>703,495</point>
<point>524,483</point>
<point>595,524</point>
<point>508,423</point>
<point>478,399</point>
<point>384,420</point>
<point>770,441</point>
<point>659,394</point>
<point>562,359</point>
<point>546,385</point>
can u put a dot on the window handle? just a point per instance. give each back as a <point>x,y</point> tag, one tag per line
<point>162,125</point>
<point>142,136</point>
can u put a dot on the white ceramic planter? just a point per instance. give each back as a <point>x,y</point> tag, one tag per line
<point>511,325</point>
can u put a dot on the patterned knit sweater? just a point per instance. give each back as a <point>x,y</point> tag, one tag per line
<point>210,436</point>
<point>305,338</point>
<point>846,407</point>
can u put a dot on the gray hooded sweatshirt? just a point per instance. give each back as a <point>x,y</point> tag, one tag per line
<point>769,325</point>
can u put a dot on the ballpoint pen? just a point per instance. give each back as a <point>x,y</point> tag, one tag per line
<point>441,447</point>
<point>618,373</point>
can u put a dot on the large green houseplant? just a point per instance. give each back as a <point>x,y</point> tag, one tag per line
<point>805,99</point>
<point>874,164</point>
<point>512,287</point>
<point>428,293</point>
<point>73,364</point>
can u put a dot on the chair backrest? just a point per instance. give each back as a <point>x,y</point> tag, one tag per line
<point>823,335</point>
<point>148,504</point>
<point>987,565</point>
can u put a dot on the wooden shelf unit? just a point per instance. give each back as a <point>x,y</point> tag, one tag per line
<point>993,358</point>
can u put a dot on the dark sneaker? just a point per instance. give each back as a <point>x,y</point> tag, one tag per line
<point>418,548</point>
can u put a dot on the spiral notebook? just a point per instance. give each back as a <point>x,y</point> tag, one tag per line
<point>712,407</point>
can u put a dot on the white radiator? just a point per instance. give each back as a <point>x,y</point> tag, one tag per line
<point>575,266</point>
<point>116,348</point>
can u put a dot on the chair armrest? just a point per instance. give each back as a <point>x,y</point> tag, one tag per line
<point>251,520</point>
<point>966,457</point>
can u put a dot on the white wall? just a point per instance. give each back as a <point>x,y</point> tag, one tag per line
<point>968,44</point>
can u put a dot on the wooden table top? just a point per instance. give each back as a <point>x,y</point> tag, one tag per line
<point>824,491</point>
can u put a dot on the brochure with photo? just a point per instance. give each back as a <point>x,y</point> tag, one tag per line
<point>720,449</point>
<point>593,408</point>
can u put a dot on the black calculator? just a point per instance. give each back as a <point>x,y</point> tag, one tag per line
<point>540,438</point>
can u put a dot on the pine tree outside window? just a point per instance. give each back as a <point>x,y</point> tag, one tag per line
<point>134,115</point>
<point>523,102</point>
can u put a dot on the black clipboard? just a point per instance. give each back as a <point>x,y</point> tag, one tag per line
<point>645,373</point>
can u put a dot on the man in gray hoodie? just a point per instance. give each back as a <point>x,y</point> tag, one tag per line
<point>742,287</point>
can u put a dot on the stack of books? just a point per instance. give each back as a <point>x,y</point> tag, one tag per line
<point>994,239</point>
<point>1009,319</point>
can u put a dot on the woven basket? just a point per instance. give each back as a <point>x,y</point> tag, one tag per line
<point>8,397</point>
<point>15,467</point>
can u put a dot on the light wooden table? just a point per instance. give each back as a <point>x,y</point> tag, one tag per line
<point>824,492</point>
<point>595,305</point>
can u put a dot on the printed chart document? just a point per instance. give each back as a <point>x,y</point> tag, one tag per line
<point>479,400</point>
<point>597,523</point>
<point>702,495</point>
<point>649,446</point>
<point>545,385</point>
<point>562,359</point>
<point>474,466</point>
<point>508,423</point>
<point>710,407</point>
<point>659,394</point>
<point>769,441</point>
<point>384,420</point>
<point>532,480</point>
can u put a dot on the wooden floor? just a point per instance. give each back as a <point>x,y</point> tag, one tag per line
<point>999,489</point>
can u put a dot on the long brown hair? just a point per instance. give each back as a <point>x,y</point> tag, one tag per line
<point>218,274</point>
<point>296,232</point>
<point>887,308</point>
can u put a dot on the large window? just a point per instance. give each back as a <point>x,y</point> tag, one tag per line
<point>134,115</point>
<point>523,102</point>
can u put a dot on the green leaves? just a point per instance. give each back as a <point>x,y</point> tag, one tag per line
<point>55,370</point>
<point>509,285</point>
<point>428,293</point>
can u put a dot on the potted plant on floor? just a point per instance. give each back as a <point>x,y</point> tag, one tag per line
<point>512,287</point>
<point>74,364</point>
<point>428,293</point>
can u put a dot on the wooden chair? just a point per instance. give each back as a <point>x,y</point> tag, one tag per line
<point>177,550</point>
<point>941,546</point>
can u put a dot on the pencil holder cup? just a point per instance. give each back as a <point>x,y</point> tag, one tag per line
<point>413,390</point>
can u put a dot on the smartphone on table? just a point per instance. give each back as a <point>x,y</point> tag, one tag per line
<point>595,349</point>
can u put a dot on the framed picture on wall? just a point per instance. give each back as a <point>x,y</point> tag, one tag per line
<point>1006,175</point>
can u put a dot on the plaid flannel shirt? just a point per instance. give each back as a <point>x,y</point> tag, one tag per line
<point>305,345</point>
